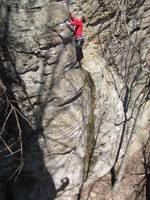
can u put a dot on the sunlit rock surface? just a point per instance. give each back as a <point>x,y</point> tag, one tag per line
<point>76,121</point>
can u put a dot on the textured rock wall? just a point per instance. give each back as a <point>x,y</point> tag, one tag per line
<point>120,32</point>
<point>76,122</point>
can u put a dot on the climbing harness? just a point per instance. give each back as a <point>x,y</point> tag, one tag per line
<point>79,42</point>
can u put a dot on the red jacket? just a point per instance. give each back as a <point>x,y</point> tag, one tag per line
<point>78,26</point>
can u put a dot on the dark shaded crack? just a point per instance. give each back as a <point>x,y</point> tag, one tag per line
<point>135,29</point>
<point>33,69</point>
<point>41,102</point>
<point>90,143</point>
<point>37,54</point>
<point>72,99</point>
<point>72,64</point>
<point>34,9</point>
<point>24,30</point>
<point>47,47</point>
<point>90,128</point>
<point>63,153</point>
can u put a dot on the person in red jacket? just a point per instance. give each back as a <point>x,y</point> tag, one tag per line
<point>77,23</point>
<point>78,32</point>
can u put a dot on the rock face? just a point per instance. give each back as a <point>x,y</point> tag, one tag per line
<point>73,124</point>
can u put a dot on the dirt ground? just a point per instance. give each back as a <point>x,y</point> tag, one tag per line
<point>134,186</point>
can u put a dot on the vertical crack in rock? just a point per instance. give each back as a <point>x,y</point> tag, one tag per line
<point>90,128</point>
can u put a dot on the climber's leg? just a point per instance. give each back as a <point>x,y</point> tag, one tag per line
<point>79,52</point>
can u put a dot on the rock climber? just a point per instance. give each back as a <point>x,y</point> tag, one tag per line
<point>77,23</point>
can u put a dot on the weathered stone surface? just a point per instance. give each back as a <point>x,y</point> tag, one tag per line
<point>106,132</point>
<point>80,121</point>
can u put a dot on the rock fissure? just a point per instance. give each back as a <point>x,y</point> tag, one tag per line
<point>90,128</point>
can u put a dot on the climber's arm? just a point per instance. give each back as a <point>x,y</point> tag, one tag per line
<point>70,26</point>
<point>74,21</point>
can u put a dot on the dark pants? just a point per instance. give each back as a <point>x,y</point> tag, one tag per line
<point>79,43</point>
